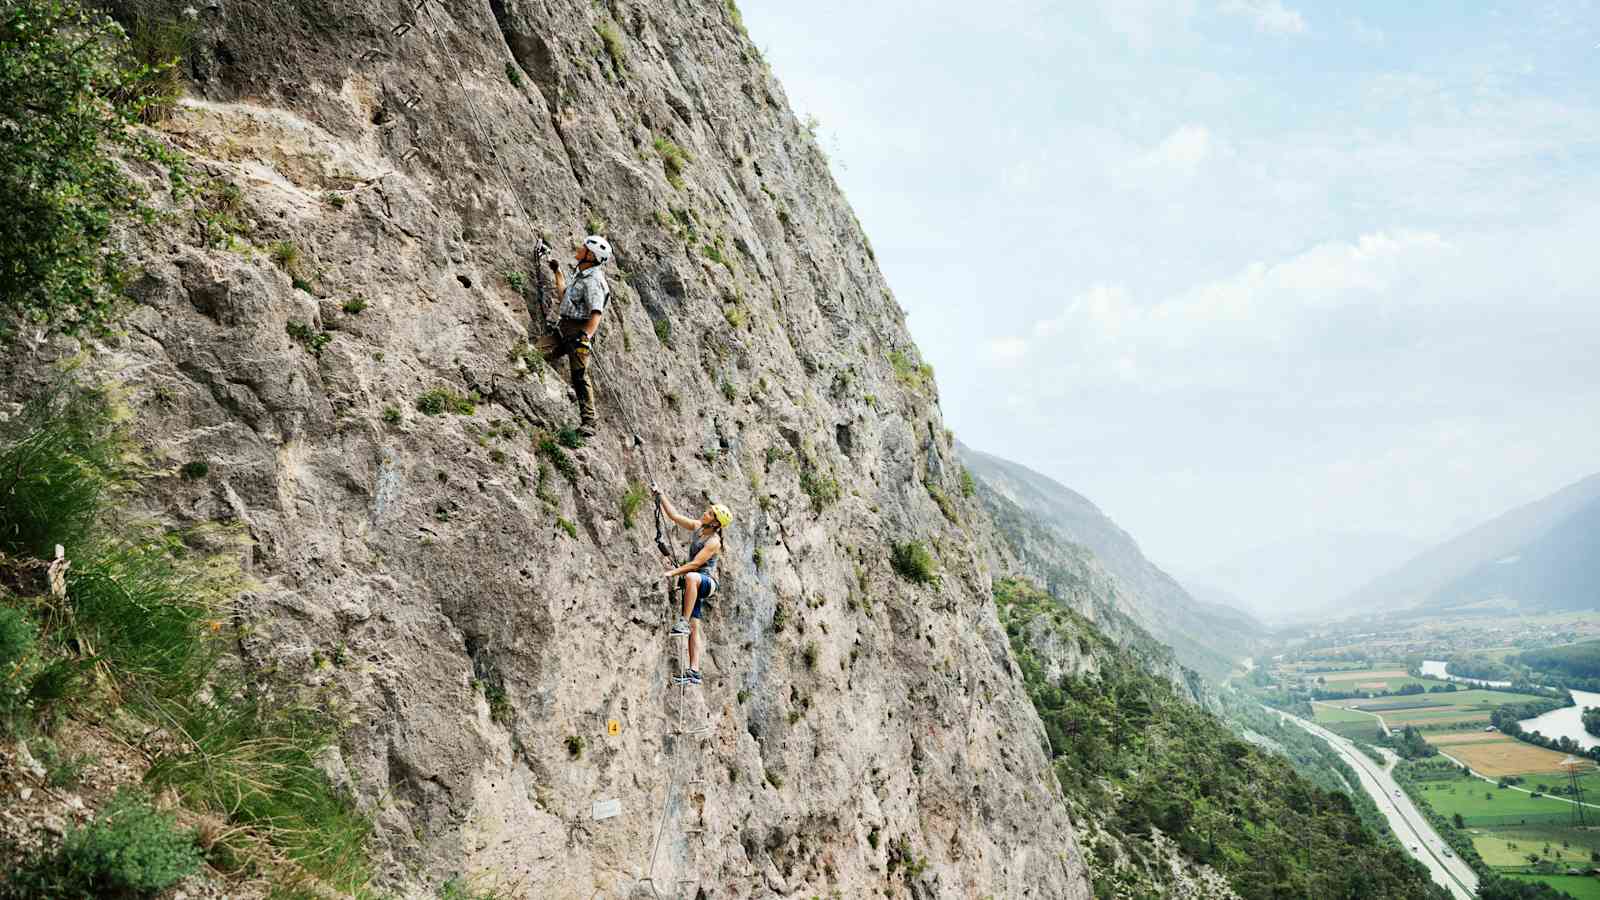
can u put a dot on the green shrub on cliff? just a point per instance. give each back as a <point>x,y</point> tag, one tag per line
<point>71,95</point>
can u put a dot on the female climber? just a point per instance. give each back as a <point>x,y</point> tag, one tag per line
<point>699,573</point>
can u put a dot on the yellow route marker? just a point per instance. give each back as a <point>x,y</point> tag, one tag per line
<point>613,727</point>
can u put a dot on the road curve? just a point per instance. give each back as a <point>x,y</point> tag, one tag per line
<point>1408,824</point>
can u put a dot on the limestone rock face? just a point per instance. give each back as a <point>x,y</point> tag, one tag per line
<point>480,609</point>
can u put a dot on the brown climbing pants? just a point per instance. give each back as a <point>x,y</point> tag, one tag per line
<point>563,342</point>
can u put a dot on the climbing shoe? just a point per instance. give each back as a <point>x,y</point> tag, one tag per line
<point>586,430</point>
<point>689,676</point>
<point>682,627</point>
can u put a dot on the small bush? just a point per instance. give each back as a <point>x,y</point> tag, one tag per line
<point>355,305</point>
<point>517,280</point>
<point>916,376</point>
<point>570,438</point>
<point>512,75</point>
<point>673,160</point>
<point>196,469</point>
<point>566,525</point>
<point>632,499</point>
<point>774,779</point>
<point>736,17</point>
<point>734,313</point>
<point>729,392</point>
<point>391,415</point>
<point>809,655</point>
<point>943,501</point>
<point>440,401</point>
<point>664,331</point>
<point>968,486</point>
<point>310,338</point>
<point>129,850</point>
<point>286,254</point>
<point>822,488</point>
<point>62,769</point>
<point>912,561</point>
<point>551,450</point>
<point>780,617</point>
<point>575,745</point>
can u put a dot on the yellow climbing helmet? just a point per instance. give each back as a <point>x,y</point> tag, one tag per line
<point>724,517</point>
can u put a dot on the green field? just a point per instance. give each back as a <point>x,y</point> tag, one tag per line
<point>1394,684</point>
<point>1511,846</point>
<point>1326,714</point>
<point>1582,887</point>
<point>1481,804</point>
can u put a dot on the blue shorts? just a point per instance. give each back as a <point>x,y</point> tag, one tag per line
<point>708,586</point>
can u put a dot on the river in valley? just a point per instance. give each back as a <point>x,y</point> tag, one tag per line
<point>1434,668</point>
<point>1567,722</point>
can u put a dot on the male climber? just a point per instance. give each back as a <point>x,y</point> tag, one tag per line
<point>582,303</point>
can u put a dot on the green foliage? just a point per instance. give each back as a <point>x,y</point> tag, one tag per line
<point>310,338</point>
<point>664,331</point>
<point>968,486</point>
<point>439,401</point>
<point>612,39</point>
<point>286,254</point>
<point>458,888</point>
<point>943,501</point>
<point>19,664</point>
<point>575,745</point>
<point>820,486</point>
<point>129,850</point>
<point>809,655</point>
<point>569,437</point>
<point>734,314</point>
<point>194,470</point>
<point>914,375</point>
<point>550,449</point>
<point>1130,746</point>
<point>517,280</point>
<point>71,94</point>
<point>391,415</point>
<point>632,499</point>
<point>512,75</point>
<point>566,525</point>
<point>673,160</point>
<point>354,306</point>
<point>736,17</point>
<point>1581,660</point>
<point>62,768</point>
<point>912,561</point>
<point>151,609</point>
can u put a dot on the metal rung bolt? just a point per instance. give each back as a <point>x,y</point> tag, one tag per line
<point>406,156</point>
<point>370,54</point>
<point>401,29</point>
<point>411,101</point>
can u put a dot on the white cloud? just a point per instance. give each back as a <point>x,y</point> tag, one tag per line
<point>1269,15</point>
<point>1217,333</point>
<point>1183,150</point>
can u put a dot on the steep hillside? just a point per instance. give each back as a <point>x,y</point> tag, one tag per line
<point>1172,800</point>
<point>1560,569</point>
<point>1207,637</point>
<point>327,349</point>
<point>1429,573</point>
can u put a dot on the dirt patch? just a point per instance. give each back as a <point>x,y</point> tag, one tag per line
<point>1507,756</point>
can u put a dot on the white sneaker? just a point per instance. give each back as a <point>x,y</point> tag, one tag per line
<point>682,627</point>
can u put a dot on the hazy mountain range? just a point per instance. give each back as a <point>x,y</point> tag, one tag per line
<point>1540,556</point>
<point>1299,577</point>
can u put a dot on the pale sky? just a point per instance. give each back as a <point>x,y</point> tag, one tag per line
<point>1236,270</point>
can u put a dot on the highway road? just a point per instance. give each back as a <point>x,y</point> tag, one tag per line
<point>1404,818</point>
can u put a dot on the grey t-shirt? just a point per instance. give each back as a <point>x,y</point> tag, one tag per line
<point>585,295</point>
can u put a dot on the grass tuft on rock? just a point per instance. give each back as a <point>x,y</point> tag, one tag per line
<point>912,561</point>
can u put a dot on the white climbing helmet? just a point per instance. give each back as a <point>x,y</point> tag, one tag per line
<point>599,247</point>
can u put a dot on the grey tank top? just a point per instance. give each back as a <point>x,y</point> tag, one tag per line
<point>696,544</point>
